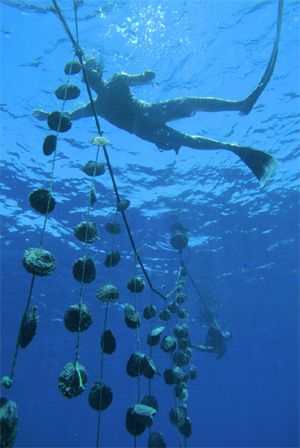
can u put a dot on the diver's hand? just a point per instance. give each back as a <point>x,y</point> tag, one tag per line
<point>149,75</point>
<point>40,114</point>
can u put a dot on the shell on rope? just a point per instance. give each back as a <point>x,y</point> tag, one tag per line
<point>150,400</point>
<point>72,381</point>
<point>9,422</point>
<point>149,312</point>
<point>84,270</point>
<point>73,316</point>
<point>186,428</point>
<point>99,141</point>
<point>107,293</point>
<point>173,307</point>
<point>100,396</point>
<point>28,327</point>
<point>135,364</point>
<point>132,317</point>
<point>113,228</point>
<point>184,343</point>
<point>72,68</point>
<point>141,364</point>
<point>39,261</point>
<point>181,391</point>
<point>49,145</point>
<point>165,315</point>
<point>135,284</point>
<point>112,259</point>
<point>174,376</point>
<point>154,336</point>
<point>168,344</point>
<point>92,196</point>
<point>59,122</point>
<point>133,426</point>
<point>181,331</point>
<point>108,342</point>
<point>178,415</point>
<point>67,92</point>
<point>92,168</point>
<point>122,205</point>
<point>180,359</point>
<point>86,231</point>
<point>143,414</point>
<point>42,201</point>
<point>156,440</point>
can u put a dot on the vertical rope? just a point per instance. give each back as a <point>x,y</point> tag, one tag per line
<point>138,349</point>
<point>53,166</point>
<point>83,269</point>
<point>101,378</point>
<point>50,188</point>
<point>12,370</point>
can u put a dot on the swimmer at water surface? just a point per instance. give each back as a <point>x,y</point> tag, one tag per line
<point>116,103</point>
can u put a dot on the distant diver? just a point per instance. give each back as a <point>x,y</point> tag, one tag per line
<point>215,342</point>
<point>119,106</point>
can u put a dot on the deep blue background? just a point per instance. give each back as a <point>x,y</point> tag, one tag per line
<point>244,240</point>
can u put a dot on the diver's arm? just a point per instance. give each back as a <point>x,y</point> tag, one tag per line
<point>82,112</point>
<point>136,80</point>
<point>94,79</point>
<point>40,114</point>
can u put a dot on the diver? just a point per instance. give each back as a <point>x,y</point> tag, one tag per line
<point>116,103</point>
<point>215,342</point>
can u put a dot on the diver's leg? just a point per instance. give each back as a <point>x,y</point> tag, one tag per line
<point>260,163</point>
<point>249,102</point>
<point>165,111</point>
<point>174,109</point>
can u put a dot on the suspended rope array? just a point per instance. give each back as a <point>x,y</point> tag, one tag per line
<point>73,379</point>
<point>40,262</point>
<point>138,363</point>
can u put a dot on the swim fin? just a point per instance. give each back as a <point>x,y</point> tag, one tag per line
<point>249,102</point>
<point>260,163</point>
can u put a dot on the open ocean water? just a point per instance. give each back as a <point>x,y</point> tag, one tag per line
<point>243,240</point>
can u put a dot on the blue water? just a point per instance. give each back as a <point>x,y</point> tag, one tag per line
<point>244,241</point>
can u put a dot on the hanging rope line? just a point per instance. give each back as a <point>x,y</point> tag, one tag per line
<point>172,366</point>
<point>101,378</point>
<point>194,284</point>
<point>83,276</point>
<point>12,370</point>
<point>52,168</point>
<point>80,55</point>
<point>8,380</point>
<point>77,348</point>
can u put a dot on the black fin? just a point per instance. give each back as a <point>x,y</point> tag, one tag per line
<point>249,102</point>
<point>260,163</point>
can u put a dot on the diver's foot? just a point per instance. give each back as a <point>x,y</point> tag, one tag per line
<point>246,107</point>
<point>248,104</point>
